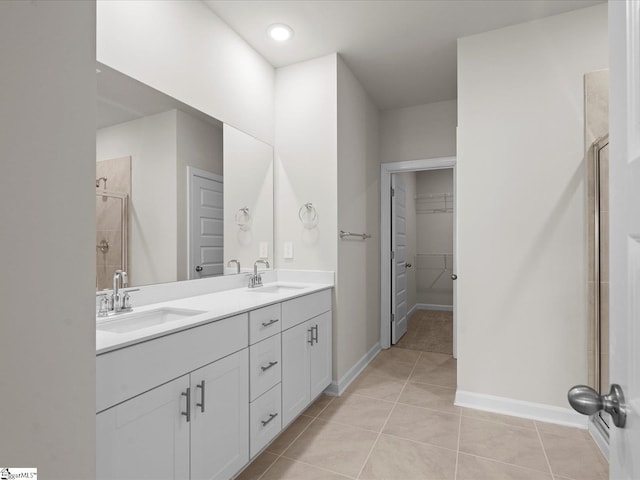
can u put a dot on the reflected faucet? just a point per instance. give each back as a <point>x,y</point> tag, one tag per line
<point>117,303</point>
<point>255,280</point>
<point>237,264</point>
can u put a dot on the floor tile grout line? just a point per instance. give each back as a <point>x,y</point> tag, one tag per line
<point>546,457</point>
<point>505,463</point>
<point>455,472</point>
<point>319,467</point>
<point>373,446</point>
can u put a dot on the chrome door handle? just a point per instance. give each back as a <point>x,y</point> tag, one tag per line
<point>407,265</point>
<point>201,404</point>
<point>271,417</point>
<point>198,268</point>
<point>188,412</point>
<point>271,364</point>
<point>454,276</point>
<point>587,401</point>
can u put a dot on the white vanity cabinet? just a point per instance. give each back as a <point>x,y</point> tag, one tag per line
<point>265,371</point>
<point>194,426</point>
<point>306,352</point>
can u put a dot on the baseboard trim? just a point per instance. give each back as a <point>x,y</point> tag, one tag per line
<point>412,309</point>
<point>432,306</point>
<point>336,389</point>
<point>596,429</point>
<point>519,408</point>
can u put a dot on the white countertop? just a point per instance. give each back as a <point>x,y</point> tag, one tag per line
<point>216,305</point>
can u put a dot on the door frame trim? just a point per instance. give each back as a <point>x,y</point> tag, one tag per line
<point>386,169</point>
<point>191,173</point>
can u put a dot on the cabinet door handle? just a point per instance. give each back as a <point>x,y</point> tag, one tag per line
<point>270,322</point>
<point>201,404</point>
<point>188,412</point>
<point>271,417</point>
<point>271,364</point>
<point>315,337</point>
<point>310,341</point>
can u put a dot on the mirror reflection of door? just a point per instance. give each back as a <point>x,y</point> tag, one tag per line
<point>206,224</point>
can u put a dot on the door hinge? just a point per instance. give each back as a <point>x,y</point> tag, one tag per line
<point>393,254</point>
<point>393,192</point>
<point>393,317</point>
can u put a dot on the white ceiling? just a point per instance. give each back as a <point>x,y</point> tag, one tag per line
<point>403,52</point>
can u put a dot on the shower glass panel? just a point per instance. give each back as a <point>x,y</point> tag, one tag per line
<point>111,236</point>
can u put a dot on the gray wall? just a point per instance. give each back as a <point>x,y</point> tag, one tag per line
<point>47,235</point>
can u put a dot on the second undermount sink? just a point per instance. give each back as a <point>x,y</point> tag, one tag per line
<point>277,288</point>
<point>130,322</point>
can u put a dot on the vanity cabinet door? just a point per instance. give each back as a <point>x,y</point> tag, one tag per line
<point>295,371</point>
<point>320,352</point>
<point>146,437</point>
<point>220,423</point>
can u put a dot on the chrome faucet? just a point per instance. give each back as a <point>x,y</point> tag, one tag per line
<point>255,280</point>
<point>119,300</point>
<point>237,264</point>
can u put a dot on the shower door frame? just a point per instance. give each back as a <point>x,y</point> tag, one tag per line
<point>124,216</point>
<point>386,170</point>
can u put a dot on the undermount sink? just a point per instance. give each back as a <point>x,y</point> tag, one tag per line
<point>276,289</point>
<point>130,322</point>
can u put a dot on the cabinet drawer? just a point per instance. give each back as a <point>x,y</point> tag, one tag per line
<point>266,419</point>
<point>130,371</point>
<point>264,365</point>
<point>301,309</point>
<point>264,322</point>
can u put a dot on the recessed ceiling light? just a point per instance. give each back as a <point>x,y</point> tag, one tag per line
<point>280,32</point>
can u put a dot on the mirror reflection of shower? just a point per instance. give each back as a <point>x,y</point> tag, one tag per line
<point>112,219</point>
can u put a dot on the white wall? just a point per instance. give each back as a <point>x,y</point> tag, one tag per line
<point>151,142</point>
<point>434,234</point>
<point>183,49</point>
<point>248,163</point>
<point>522,297</point>
<point>47,234</point>
<point>357,282</point>
<point>415,133</point>
<point>199,145</point>
<point>306,162</point>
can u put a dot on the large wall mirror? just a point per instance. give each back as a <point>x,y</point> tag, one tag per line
<point>178,194</point>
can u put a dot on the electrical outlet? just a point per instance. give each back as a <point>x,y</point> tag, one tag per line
<point>288,250</point>
<point>264,250</point>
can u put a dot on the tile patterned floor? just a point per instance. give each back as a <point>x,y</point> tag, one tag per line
<point>430,331</point>
<point>397,421</point>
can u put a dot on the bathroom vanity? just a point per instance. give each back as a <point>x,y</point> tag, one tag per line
<point>197,387</point>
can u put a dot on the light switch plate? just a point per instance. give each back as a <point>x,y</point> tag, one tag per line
<point>264,250</point>
<point>288,250</point>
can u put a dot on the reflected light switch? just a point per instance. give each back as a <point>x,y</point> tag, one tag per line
<point>264,250</point>
<point>288,250</point>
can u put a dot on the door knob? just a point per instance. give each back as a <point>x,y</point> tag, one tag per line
<point>587,401</point>
<point>198,268</point>
<point>454,276</point>
<point>407,265</point>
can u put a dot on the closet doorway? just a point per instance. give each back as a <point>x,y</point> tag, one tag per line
<point>418,260</point>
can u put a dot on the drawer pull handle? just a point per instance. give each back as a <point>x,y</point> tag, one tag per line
<point>271,417</point>
<point>314,337</point>
<point>271,364</point>
<point>201,405</point>
<point>310,341</point>
<point>270,322</point>
<point>188,412</point>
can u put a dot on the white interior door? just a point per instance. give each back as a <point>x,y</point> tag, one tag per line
<point>624,146</point>
<point>398,259</point>
<point>206,227</point>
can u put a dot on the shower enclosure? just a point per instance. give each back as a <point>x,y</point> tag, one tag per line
<point>111,236</point>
